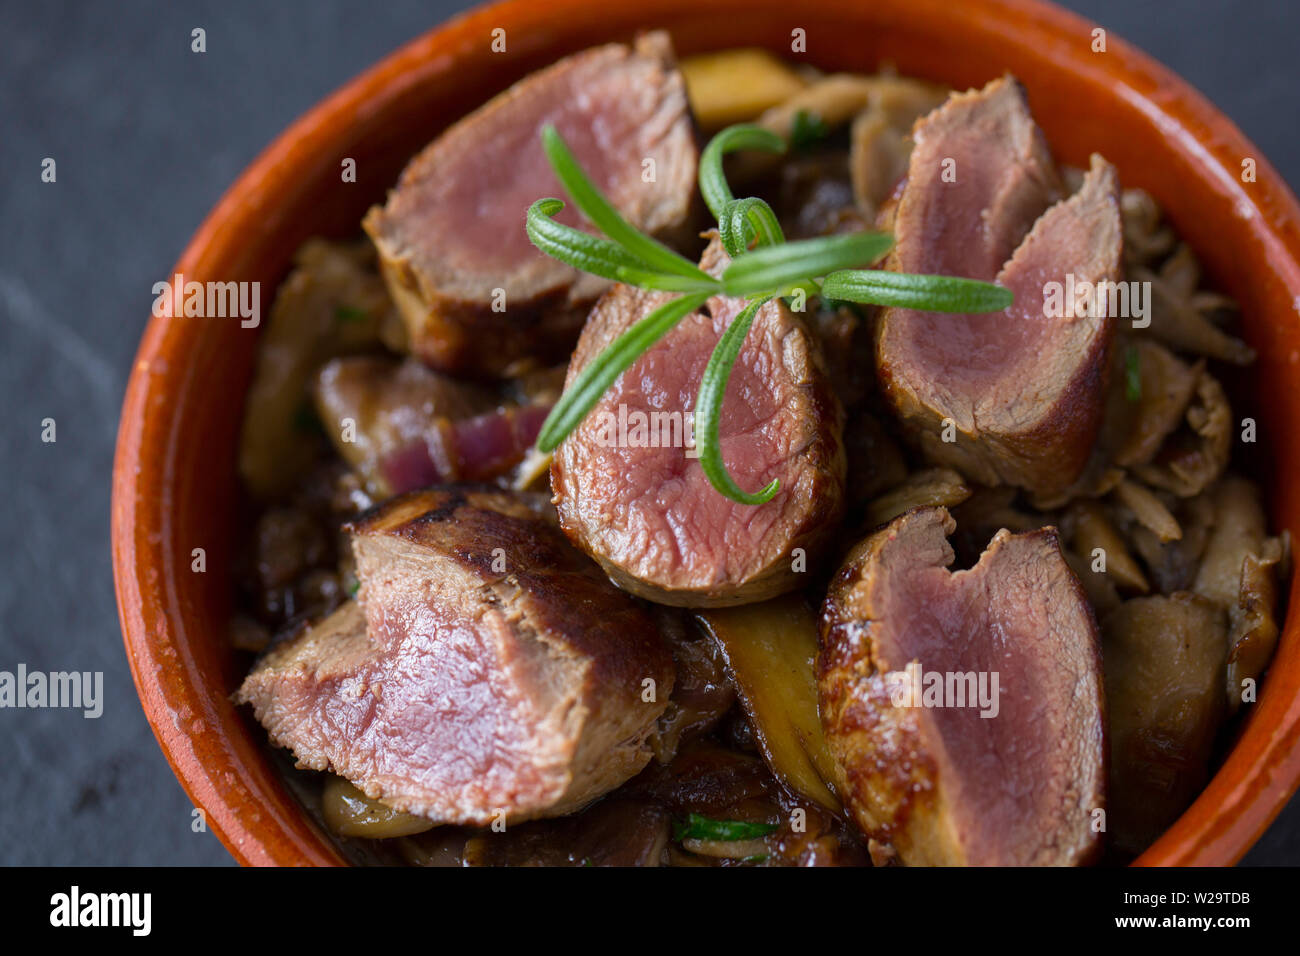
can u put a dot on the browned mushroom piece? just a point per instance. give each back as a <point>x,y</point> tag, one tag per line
<point>332,303</point>
<point>1165,388</point>
<point>1194,456</point>
<point>1239,571</point>
<point>1164,696</point>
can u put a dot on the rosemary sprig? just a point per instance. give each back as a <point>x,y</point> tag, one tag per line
<point>924,293</point>
<point>763,266</point>
<point>775,268</point>
<point>717,193</point>
<point>605,217</point>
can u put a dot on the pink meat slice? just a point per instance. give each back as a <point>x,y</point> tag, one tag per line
<point>488,670</point>
<point>452,233</point>
<point>1018,784</point>
<point>649,515</point>
<point>1012,397</point>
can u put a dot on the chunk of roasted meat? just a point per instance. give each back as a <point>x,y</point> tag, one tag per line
<point>642,506</point>
<point>475,294</point>
<point>965,708</point>
<point>403,426</point>
<point>1012,397</point>
<point>487,672</point>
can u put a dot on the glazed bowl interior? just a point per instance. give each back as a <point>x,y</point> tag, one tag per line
<point>174,480</point>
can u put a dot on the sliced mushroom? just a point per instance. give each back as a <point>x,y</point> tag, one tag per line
<point>1164,662</point>
<point>1254,623</point>
<point>881,139</point>
<point>733,86</point>
<point>702,692</point>
<point>1178,324</point>
<point>929,486</point>
<point>1173,565</point>
<point>1103,596</point>
<point>1148,510</point>
<point>1146,237</point>
<point>1238,573</point>
<point>1090,530</point>
<point>1193,457</point>
<point>333,303</point>
<point>833,99</point>
<point>771,649</point>
<point>1181,272</point>
<point>350,813</point>
<point>1165,388</point>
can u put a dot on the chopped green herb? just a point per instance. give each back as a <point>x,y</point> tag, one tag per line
<point>764,265</point>
<point>356,586</point>
<point>807,130</point>
<point>350,313</point>
<point>699,827</point>
<point>1132,374</point>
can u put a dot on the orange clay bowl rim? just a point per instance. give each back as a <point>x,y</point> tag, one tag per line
<point>1170,140</point>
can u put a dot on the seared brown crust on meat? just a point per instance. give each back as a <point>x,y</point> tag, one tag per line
<point>626,104</point>
<point>946,789</point>
<point>499,675</point>
<point>648,515</point>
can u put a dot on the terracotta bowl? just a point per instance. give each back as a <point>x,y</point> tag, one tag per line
<point>174,484</point>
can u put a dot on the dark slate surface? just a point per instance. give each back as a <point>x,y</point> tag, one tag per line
<point>147,136</point>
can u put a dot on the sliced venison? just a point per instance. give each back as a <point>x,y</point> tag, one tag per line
<point>978,177</point>
<point>487,669</point>
<point>948,780</point>
<point>452,233</point>
<point>643,508</point>
<point>1012,397</point>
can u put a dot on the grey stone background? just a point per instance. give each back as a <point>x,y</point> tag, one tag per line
<point>147,136</point>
